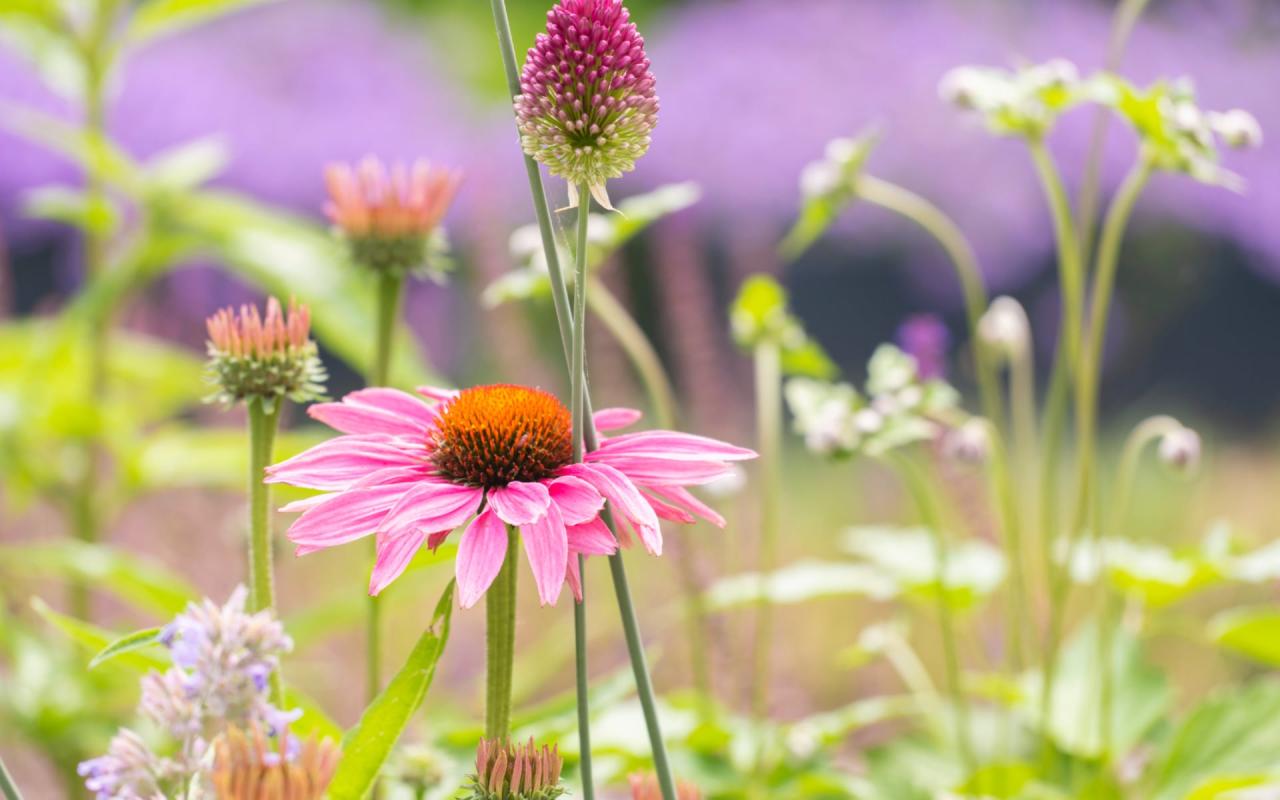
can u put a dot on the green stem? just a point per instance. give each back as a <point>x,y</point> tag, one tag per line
<point>639,350</point>
<point>560,299</point>
<point>262,434</point>
<point>768,390</point>
<point>7,787</point>
<point>1071,273</point>
<point>500,644</point>
<point>925,499</point>
<point>390,291</point>
<point>577,401</point>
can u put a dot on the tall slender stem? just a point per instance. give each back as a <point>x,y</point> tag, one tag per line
<point>500,644</point>
<point>263,422</point>
<point>387,315</point>
<point>768,390</point>
<point>577,401</point>
<point>560,299</point>
<point>7,787</point>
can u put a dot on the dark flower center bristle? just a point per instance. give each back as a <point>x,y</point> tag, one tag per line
<point>489,436</point>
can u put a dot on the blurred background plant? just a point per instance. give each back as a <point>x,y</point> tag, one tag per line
<point>161,159</point>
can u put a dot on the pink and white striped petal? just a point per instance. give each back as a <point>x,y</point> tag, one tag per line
<point>591,538</point>
<point>683,498</point>
<point>675,446</point>
<point>578,500</point>
<point>433,505</point>
<point>377,410</point>
<point>344,517</point>
<point>341,462</point>
<point>481,552</point>
<point>662,471</point>
<point>520,503</point>
<point>546,545</point>
<point>669,512</point>
<point>612,419</point>
<point>395,551</point>
<point>437,393</point>
<point>627,500</point>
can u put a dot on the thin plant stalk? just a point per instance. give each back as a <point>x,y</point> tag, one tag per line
<point>577,399</point>
<point>767,358</point>
<point>7,786</point>
<point>924,496</point>
<point>560,299</point>
<point>500,644</point>
<point>263,422</point>
<point>390,291</point>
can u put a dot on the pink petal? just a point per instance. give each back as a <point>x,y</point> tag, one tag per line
<point>662,471</point>
<point>681,497</point>
<point>344,516</point>
<point>669,512</point>
<point>342,461</point>
<point>433,505</point>
<point>480,555</point>
<point>546,545</point>
<point>437,393</point>
<point>626,500</point>
<point>519,503</point>
<point>592,538</point>
<point>676,446</point>
<point>436,539</point>
<point>377,410</point>
<point>574,578</point>
<point>395,551</point>
<point>612,419</point>
<point>578,500</point>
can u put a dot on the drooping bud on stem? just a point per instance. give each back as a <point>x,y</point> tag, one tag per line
<point>1179,449</point>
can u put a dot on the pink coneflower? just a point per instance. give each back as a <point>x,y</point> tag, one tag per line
<point>264,355</point>
<point>247,765</point>
<point>521,771</point>
<point>411,472</point>
<point>587,104</point>
<point>389,216</point>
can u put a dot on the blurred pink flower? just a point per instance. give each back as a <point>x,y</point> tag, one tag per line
<point>410,472</point>
<point>369,200</point>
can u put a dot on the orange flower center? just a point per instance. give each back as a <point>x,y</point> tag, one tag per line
<point>489,436</point>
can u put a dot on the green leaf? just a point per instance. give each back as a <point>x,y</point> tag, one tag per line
<point>143,585</point>
<point>1251,632</point>
<point>368,744</point>
<point>95,639</point>
<point>314,720</point>
<point>166,17</point>
<point>127,644</point>
<point>759,310</point>
<point>908,557</point>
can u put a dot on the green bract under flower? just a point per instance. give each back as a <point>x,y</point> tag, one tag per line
<point>267,357</point>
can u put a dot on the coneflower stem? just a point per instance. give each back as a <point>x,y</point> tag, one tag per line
<point>577,378</point>
<point>263,422</point>
<point>7,786</point>
<point>768,390</point>
<point>500,644</point>
<point>390,288</point>
<point>560,299</point>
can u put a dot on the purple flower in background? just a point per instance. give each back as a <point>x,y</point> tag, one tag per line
<point>925,338</point>
<point>587,103</point>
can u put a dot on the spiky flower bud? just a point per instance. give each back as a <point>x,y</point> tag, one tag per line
<point>390,217</point>
<point>645,787</point>
<point>587,104</point>
<point>249,766</point>
<point>1179,449</point>
<point>506,771</point>
<point>265,356</point>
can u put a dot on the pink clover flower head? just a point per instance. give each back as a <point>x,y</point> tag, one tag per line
<point>490,459</point>
<point>587,104</point>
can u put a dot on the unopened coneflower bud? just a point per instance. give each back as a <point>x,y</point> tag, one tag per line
<point>970,443</point>
<point>1179,449</point>
<point>587,104</point>
<point>250,766</point>
<point>388,216</point>
<point>645,787</point>
<point>267,356</point>
<point>1005,328</point>
<point>506,771</point>
<point>1238,128</point>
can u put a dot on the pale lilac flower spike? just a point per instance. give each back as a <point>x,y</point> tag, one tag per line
<point>491,458</point>
<point>587,104</point>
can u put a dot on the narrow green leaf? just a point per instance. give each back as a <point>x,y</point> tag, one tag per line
<point>94,639</point>
<point>368,744</point>
<point>127,644</point>
<point>1252,632</point>
<point>314,720</point>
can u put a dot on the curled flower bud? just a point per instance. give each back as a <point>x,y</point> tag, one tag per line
<point>268,357</point>
<point>506,771</point>
<point>1005,328</point>
<point>587,104</point>
<point>1237,128</point>
<point>970,443</point>
<point>645,787</point>
<point>1179,449</point>
<point>248,766</point>
<point>389,217</point>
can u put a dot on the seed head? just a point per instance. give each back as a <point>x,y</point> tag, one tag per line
<point>492,435</point>
<point>266,356</point>
<point>506,771</point>
<point>587,104</point>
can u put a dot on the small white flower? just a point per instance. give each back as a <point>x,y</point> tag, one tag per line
<point>819,178</point>
<point>1180,450</point>
<point>1238,128</point>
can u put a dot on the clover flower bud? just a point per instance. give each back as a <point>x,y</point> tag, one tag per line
<point>506,771</point>
<point>247,766</point>
<point>1179,449</point>
<point>645,787</point>
<point>587,104</point>
<point>265,356</point>
<point>1005,328</point>
<point>1237,128</point>
<point>389,217</point>
<point>970,443</point>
